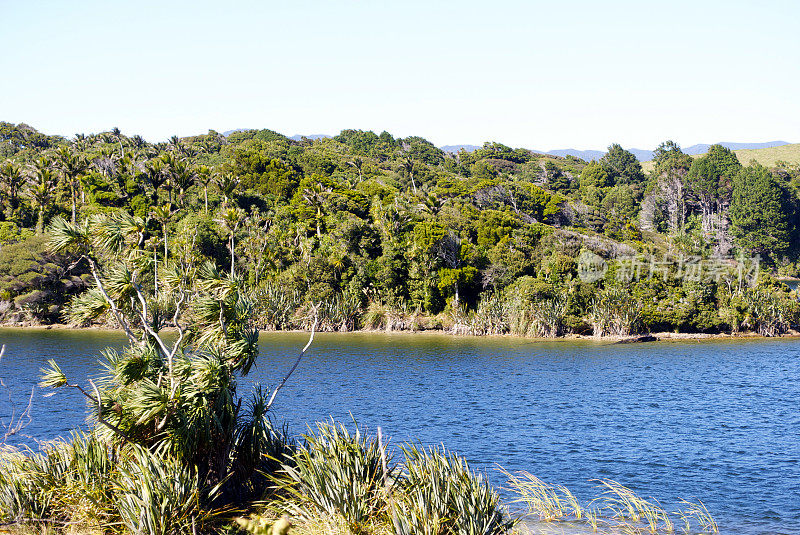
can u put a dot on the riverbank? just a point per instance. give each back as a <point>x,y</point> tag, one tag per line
<point>634,338</point>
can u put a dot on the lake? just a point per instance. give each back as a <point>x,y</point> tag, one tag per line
<point>714,420</point>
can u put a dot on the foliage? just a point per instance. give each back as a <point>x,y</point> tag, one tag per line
<point>368,217</point>
<point>333,472</point>
<point>440,495</point>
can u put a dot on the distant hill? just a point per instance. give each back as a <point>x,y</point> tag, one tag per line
<point>298,137</point>
<point>587,155</point>
<point>456,148</point>
<point>226,133</point>
<point>593,155</point>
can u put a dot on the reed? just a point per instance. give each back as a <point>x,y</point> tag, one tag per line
<point>696,514</point>
<point>626,505</point>
<point>547,502</point>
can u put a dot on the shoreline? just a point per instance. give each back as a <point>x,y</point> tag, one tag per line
<point>641,338</point>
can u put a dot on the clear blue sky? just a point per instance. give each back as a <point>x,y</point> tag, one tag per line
<point>541,75</point>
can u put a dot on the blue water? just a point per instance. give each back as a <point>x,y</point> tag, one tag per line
<point>718,421</point>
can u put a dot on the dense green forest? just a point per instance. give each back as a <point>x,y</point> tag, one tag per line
<point>372,231</point>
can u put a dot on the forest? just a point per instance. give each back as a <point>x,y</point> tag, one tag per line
<point>369,231</point>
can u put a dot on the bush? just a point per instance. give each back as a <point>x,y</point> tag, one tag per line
<point>440,494</point>
<point>335,473</point>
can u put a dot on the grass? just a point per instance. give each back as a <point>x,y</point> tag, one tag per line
<point>616,510</point>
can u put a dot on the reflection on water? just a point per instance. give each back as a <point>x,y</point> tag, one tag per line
<point>714,420</point>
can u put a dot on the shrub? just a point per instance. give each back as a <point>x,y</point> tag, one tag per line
<point>441,495</point>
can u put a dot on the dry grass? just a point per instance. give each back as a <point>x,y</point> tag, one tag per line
<point>617,510</point>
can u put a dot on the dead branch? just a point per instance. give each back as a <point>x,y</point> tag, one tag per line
<point>16,423</point>
<point>297,362</point>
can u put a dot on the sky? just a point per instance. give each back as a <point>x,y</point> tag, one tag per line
<point>540,75</point>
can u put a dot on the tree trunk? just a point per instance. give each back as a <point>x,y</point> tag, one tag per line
<point>164,226</point>
<point>233,255</point>
<point>74,201</point>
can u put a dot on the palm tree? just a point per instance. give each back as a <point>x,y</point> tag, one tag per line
<point>41,190</point>
<point>138,141</point>
<point>182,178</point>
<point>226,184</point>
<point>175,144</point>
<point>230,219</point>
<point>203,177</point>
<point>154,171</point>
<point>80,142</point>
<point>358,164</point>
<point>118,135</point>
<point>314,197</point>
<point>72,166</point>
<point>407,164</point>
<point>163,214</point>
<point>12,181</point>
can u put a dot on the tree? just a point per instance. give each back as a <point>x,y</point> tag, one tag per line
<point>41,190</point>
<point>230,219</point>
<point>118,134</point>
<point>72,167</point>
<point>163,214</point>
<point>594,175</point>
<point>622,166</point>
<point>156,177</point>
<point>454,254</point>
<point>204,178</point>
<point>671,167</point>
<point>313,195</point>
<point>173,395</point>
<point>226,184</point>
<point>357,163</point>
<point>11,182</point>
<point>407,165</point>
<point>760,213</point>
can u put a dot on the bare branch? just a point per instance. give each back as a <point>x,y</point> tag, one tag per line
<point>117,315</point>
<point>302,353</point>
<point>146,324</point>
<point>100,418</point>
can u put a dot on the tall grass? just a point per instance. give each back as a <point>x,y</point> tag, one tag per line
<point>615,312</point>
<point>766,313</point>
<point>334,473</point>
<point>440,495</point>
<point>275,306</point>
<point>543,318</point>
<point>67,481</point>
<point>617,509</point>
<point>491,316</point>
<point>155,494</point>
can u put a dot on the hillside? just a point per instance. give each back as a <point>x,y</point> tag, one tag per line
<point>367,230</point>
<point>768,157</point>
